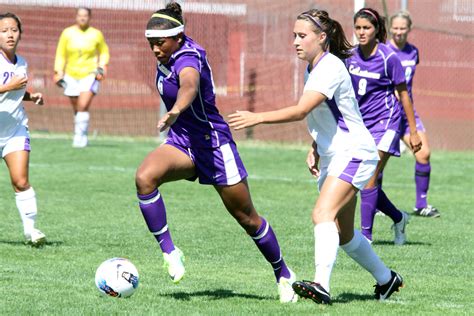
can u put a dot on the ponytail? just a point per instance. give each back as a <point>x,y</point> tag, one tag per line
<point>376,20</point>
<point>336,42</point>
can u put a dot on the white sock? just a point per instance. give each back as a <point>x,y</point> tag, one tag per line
<point>26,204</point>
<point>326,243</point>
<point>361,251</point>
<point>81,123</point>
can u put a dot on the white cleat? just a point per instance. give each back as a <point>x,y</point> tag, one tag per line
<point>174,263</point>
<point>285,289</point>
<point>80,141</point>
<point>399,229</point>
<point>36,238</point>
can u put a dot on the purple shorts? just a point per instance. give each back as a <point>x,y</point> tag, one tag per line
<point>405,129</point>
<point>388,141</point>
<point>219,166</point>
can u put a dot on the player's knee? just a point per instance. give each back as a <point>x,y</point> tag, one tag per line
<point>322,214</point>
<point>144,181</point>
<point>20,185</point>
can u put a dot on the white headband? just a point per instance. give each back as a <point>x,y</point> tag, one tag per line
<point>164,33</point>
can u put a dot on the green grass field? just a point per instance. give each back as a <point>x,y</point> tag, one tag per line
<point>88,209</point>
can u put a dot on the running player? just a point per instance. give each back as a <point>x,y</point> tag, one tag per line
<point>343,148</point>
<point>14,137</point>
<point>81,63</point>
<point>376,74</point>
<point>400,26</point>
<point>199,145</point>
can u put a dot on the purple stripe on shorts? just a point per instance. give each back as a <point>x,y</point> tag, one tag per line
<point>350,170</point>
<point>337,115</point>
<point>27,146</point>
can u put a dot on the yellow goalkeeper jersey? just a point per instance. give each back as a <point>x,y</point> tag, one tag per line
<point>79,52</point>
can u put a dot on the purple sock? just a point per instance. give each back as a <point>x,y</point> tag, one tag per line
<point>387,207</point>
<point>422,182</point>
<point>154,212</point>
<point>267,242</point>
<point>368,206</point>
<point>380,179</point>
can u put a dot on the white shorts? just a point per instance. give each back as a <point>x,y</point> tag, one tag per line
<point>352,170</point>
<point>18,142</point>
<point>74,86</point>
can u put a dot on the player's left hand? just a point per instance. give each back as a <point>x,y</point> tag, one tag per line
<point>101,72</point>
<point>244,119</point>
<point>37,98</point>
<point>415,142</point>
<point>167,120</point>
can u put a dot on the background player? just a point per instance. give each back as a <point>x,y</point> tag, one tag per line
<point>199,145</point>
<point>14,136</point>
<point>343,147</point>
<point>81,62</point>
<point>376,73</point>
<point>400,26</point>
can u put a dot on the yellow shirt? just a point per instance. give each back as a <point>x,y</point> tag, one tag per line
<point>79,52</point>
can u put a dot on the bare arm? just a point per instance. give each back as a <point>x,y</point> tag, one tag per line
<point>188,89</point>
<point>16,83</point>
<point>308,101</point>
<point>404,98</point>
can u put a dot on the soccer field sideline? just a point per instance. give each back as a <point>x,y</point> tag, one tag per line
<point>88,209</point>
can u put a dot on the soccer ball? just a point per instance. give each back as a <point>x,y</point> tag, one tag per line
<point>117,277</point>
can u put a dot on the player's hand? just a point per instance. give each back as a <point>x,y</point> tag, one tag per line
<point>312,161</point>
<point>58,78</point>
<point>101,73</point>
<point>37,98</point>
<point>415,142</point>
<point>244,119</point>
<point>17,83</point>
<point>167,120</point>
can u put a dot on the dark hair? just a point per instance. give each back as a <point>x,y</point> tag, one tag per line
<point>376,20</point>
<point>336,42</point>
<point>172,10</point>
<point>89,11</point>
<point>14,17</point>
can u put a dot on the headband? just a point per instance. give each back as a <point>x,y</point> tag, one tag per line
<point>371,13</point>
<point>313,20</point>
<point>166,17</point>
<point>164,33</point>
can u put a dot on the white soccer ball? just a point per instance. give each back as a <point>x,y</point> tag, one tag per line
<point>117,277</point>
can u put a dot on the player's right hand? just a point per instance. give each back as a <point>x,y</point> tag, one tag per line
<point>312,161</point>
<point>57,79</point>
<point>18,82</point>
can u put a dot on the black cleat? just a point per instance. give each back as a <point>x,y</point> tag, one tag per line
<point>313,291</point>
<point>429,211</point>
<point>383,292</point>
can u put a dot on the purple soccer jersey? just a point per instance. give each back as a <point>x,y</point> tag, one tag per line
<point>200,125</point>
<point>374,80</point>
<point>409,58</point>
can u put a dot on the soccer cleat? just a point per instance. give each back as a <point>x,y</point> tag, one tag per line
<point>36,238</point>
<point>313,291</point>
<point>285,289</point>
<point>428,211</point>
<point>174,263</point>
<point>399,229</point>
<point>80,141</point>
<point>383,292</point>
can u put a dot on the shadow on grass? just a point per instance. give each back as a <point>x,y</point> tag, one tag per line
<point>352,297</point>
<point>22,243</point>
<point>218,294</point>
<point>408,243</point>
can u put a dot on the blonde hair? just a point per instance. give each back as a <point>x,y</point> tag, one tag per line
<point>402,14</point>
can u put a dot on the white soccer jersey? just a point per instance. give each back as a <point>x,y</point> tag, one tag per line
<point>336,125</point>
<point>12,112</point>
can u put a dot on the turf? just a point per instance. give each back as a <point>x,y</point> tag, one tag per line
<point>89,211</point>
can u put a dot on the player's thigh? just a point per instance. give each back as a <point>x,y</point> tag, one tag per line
<point>73,101</point>
<point>17,163</point>
<point>84,101</point>
<point>165,164</point>
<point>335,194</point>
<point>384,157</point>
